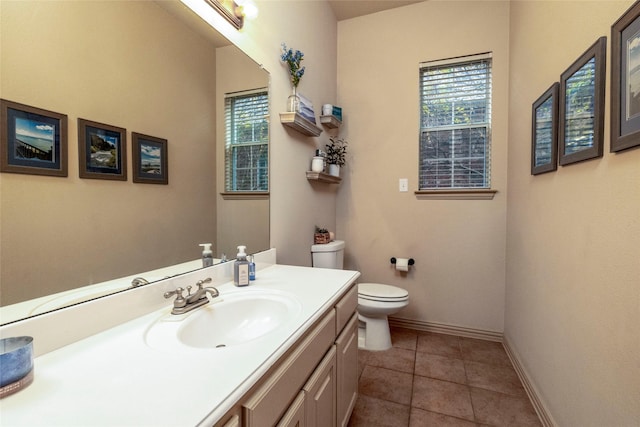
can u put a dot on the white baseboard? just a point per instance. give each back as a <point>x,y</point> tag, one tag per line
<point>461,331</point>
<point>442,328</point>
<point>545,416</point>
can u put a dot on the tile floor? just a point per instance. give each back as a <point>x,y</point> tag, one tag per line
<point>429,379</point>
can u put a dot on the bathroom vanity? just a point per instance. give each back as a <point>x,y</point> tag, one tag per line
<point>293,356</point>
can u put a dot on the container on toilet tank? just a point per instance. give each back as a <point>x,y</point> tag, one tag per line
<point>329,255</point>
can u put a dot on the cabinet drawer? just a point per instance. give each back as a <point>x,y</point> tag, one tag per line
<point>346,307</point>
<point>268,403</point>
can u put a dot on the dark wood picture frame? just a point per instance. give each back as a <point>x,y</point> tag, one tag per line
<point>150,159</point>
<point>102,151</point>
<point>571,150</point>
<point>625,102</point>
<point>42,147</point>
<point>544,132</point>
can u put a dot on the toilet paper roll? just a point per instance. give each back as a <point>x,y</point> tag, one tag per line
<point>402,264</point>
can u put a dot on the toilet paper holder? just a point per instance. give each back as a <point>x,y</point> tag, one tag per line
<point>411,261</point>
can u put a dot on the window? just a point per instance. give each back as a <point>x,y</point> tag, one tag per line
<point>247,141</point>
<point>455,123</point>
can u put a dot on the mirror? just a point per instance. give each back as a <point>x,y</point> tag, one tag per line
<point>147,67</point>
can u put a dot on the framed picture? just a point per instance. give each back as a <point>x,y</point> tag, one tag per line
<point>625,80</point>
<point>581,125</point>
<point>544,132</point>
<point>102,151</point>
<point>33,141</point>
<point>150,165</point>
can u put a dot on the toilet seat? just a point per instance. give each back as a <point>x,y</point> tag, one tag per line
<point>382,293</point>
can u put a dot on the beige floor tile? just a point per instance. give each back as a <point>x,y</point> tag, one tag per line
<point>440,367</point>
<point>443,345</point>
<point>404,338</point>
<point>386,384</point>
<point>372,412</point>
<point>442,397</point>
<point>502,379</point>
<point>481,351</point>
<point>499,409</point>
<point>421,418</point>
<point>398,359</point>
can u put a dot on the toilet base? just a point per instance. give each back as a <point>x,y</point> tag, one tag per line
<point>374,336</point>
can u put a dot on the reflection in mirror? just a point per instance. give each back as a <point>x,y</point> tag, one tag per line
<point>147,67</point>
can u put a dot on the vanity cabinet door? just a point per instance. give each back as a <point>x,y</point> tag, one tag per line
<point>294,417</point>
<point>268,403</point>
<point>347,370</point>
<point>320,393</point>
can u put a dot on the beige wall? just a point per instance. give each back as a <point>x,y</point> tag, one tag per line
<point>296,205</point>
<point>573,263</point>
<point>242,221</point>
<point>149,75</point>
<point>458,245</point>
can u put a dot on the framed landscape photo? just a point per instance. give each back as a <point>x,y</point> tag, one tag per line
<point>150,165</point>
<point>581,126</point>
<point>102,151</point>
<point>33,140</point>
<point>625,81</point>
<point>544,132</point>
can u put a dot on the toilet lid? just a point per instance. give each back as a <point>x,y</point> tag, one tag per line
<point>380,292</point>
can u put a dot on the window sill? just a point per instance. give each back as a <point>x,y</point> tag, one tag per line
<point>246,195</point>
<point>463,194</point>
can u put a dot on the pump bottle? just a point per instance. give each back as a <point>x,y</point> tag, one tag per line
<point>207,255</point>
<point>241,268</point>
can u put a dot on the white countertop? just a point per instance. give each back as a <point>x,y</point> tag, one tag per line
<point>114,378</point>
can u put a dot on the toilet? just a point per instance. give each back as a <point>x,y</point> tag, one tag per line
<point>375,301</point>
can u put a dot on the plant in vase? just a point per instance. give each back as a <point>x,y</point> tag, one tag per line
<point>293,59</point>
<point>321,236</point>
<point>336,154</point>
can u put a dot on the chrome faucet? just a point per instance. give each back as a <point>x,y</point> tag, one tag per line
<point>199,298</point>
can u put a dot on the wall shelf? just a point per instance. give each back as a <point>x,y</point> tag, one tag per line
<point>323,177</point>
<point>300,124</point>
<point>330,121</point>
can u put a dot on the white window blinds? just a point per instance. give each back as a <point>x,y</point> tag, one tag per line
<point>455,123</point>
<point>247,141</point>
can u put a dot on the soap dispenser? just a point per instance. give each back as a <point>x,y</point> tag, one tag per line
<point>241,268</point>
<point>207,255</point>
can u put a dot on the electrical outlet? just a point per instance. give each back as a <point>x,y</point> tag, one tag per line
<point>404,185</point>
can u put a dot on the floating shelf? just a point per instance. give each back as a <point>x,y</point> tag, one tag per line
<point>330,121</point>
<point>323,177</point>
<point>299,123</point>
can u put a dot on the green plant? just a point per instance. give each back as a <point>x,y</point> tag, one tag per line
<point>337,151</point>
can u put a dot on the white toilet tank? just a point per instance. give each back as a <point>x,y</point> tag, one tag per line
<point>329,255</point>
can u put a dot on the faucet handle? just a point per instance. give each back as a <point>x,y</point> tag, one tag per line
<point>199,283</point>
<point>180,301</point>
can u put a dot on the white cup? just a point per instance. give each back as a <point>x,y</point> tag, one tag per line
<point>317,164</point>
<point>327,109</point>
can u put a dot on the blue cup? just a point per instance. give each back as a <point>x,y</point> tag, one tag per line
<point>16,359</point>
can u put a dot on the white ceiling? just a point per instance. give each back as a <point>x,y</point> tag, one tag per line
<point>346,9</point>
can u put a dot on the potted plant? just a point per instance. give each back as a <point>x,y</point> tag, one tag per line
<point>321,236</point>
<point>336,154</point>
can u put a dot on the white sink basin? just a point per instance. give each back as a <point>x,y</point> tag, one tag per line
<point>229,320</point>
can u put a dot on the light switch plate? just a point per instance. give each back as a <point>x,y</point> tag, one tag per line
<point>404,185</point>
